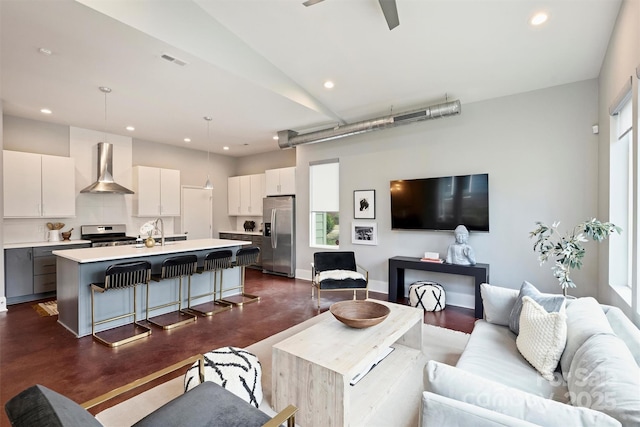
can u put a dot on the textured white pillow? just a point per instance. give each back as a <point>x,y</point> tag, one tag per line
<point>550,302</point>
<point>542,336</point>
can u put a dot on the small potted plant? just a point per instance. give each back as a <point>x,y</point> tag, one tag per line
<point>568,249</point>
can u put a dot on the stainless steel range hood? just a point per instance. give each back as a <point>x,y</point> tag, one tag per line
<point>105,183</point>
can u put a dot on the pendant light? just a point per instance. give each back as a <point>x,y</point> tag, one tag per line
<point>208,185</point>
<point>106,91</point>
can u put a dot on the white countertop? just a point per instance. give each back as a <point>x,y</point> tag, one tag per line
<point>108,253</point>
<point>38,244</point>
<point>249,233</point>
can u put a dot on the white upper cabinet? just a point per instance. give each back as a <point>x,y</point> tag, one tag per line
<point>38,185</point>
<point>233,195</point>
<point>281,182</point>
<point>257,194</point>
<point>169,192</point>
<point>244,195</point>
<point>157,191</point>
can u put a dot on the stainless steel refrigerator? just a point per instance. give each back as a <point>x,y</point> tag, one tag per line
<point>279,235</point>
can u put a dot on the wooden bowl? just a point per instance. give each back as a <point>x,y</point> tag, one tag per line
<point>359,314</point>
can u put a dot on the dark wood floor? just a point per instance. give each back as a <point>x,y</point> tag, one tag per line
<point>37,350</point>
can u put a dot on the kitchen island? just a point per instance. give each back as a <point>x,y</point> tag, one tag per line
<point>78,268</point>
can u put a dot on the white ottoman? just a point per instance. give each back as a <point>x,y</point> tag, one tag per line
<point>428,295</point>
<point>234,369</point>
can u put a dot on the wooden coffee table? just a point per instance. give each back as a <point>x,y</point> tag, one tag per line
<point>313,368</point>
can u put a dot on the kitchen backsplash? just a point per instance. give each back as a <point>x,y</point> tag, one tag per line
<point>35,230</point>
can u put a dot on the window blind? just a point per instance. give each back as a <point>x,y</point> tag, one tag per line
<point>324,181</point>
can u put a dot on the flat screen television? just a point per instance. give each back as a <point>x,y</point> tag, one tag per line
<point>441,203</point>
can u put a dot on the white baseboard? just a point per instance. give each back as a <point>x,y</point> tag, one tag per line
<point>303,274</point>
<point>3,304</point>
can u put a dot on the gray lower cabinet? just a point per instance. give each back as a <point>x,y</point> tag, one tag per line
<point>30,273</point>
<point>255,241</point>
<point>18,272</point>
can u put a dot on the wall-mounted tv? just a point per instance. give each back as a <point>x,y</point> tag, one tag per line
<point>441,203</point>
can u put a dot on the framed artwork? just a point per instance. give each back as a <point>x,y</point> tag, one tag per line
<point>364,204</point>
<point>364,233</point>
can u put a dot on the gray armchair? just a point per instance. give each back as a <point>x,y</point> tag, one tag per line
<point>208,404</point>
<point>338,271</point>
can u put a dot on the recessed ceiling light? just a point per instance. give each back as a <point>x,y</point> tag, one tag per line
<point>328,84</point>
<point>130,128</point>
<point>225,148</point>
<point>45,51</point>
<point>46,111</point>
<point>539,18</point>
<point>275,137</point>
<point>187,140</point>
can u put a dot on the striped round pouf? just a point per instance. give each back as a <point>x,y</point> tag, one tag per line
<point>234,369</point>
<point>428,295</point>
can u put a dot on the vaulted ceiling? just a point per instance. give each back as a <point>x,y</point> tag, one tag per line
<point>258,66</point>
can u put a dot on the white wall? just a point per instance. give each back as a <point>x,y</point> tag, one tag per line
<point>620,62</point>
<point>34,136</point>
<point>3,299</point>
<point>258,163</point>
<point>542,160</point>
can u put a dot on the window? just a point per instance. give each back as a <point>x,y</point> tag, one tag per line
<point>324,201</point>
<point>622,189</point>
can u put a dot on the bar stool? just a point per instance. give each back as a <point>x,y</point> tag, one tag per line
<point>244,257</point>
<point>213,262</point>
<point>172,268</point>
<point>121,276</point>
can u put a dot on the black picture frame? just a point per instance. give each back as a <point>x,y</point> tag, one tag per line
<point>364,204</point>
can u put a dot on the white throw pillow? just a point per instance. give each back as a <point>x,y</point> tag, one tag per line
<point>542,336</point>
<point>604,376</point>
<point>498,303</point>
<point>585,318</point>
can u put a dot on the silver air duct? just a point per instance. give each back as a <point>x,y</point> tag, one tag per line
<point>105,183</point>
<point>289,138</point>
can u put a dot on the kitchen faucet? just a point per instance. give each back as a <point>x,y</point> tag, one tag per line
<point>161,230</point>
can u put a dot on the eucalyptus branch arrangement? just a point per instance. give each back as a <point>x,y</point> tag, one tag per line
<point>568,249</point>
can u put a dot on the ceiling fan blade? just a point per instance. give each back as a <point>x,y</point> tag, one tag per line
<point>390,12</point>
<point>311,2</point>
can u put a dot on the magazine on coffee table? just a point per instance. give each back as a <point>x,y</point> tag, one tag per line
<point>360,375</point>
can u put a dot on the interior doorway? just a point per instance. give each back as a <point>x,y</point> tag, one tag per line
<point>197,212</point>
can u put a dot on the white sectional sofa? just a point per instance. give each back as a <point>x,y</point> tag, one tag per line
<point>596,349</point>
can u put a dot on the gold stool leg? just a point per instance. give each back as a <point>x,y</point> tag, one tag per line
<point>185,316</point>
<point>242,298</point>
<point>218,306</point>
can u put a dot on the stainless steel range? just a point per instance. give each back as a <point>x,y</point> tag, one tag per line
<point>106,235</point>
